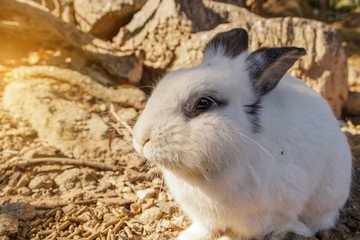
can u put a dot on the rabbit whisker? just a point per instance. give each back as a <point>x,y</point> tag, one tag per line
<point>258,144</point>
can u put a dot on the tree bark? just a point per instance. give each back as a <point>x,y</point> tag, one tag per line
<point>123,65</point>
<point>126,96</point>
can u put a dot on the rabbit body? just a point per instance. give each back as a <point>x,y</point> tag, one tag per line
<point>251,163</point>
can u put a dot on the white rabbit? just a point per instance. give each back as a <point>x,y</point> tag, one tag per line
<point>245,149</point>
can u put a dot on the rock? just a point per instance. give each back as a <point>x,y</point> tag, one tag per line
<point>103,18</point>
<point>21,210</point>
<point>41,181</point>
<point>167,207</point>
<point>148,203</point>
<point>174,37</point>
<point>146,193</point>
<point>179,222</point>
<point>162,197</point>
<point>126,190</point>
<point>151,214</point>
<point>102,107</point>
<point>69,178</point>
<point>135,208</point>
<point>167,224</point>
<point>74,131</point>
<point>24,181</point>
<point>9,225</point>
<point>24,191</point>
<point>13,179</point>
<point>134,176</point>
<point>8,190</point>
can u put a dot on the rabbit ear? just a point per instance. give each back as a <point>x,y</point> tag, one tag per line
<point>231,43</point>
<point>268,65</point>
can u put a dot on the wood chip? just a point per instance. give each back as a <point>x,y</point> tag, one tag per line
<point>63,226</point>
<point>75,219</point>
<point>106,230</point>
<point>58,214</point>
<point>76,231</point>
<point>35,222</point>
<point>45,233</point>
<point>110,233</point>
<point>24,231</point>
<point>94,235</point>
<point>81,210</point>
<point>112,222</point>
<point>52,236</point>
<point>118,226</point>
<point>46,223</point>
<point>52,212</point>
<point>89,229</point>
<point>128,232</point>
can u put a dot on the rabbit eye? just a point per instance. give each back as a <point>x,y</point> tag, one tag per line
<point>203,104</point>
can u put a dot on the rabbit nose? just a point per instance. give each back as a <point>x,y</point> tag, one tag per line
<point>145,141</point>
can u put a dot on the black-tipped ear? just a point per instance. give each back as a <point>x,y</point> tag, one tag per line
<point>268,65</point>
<point>233,43</point>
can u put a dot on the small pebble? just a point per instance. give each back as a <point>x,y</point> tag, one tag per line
<point>126,190</point>
<point>21,210</point>
<point>41,181</point>
<point>24,181</point>
<point>167,207</point>
<point>162,196</point>
<point>8,190</point>
<point>146,193</point>
<point>102,107</point>
<point>151,214</point>
<point>24,191</point>
<point>178,221</point>
<point>9,224</point>
<point>148,203</point>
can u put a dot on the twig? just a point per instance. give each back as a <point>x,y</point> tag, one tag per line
<point>9,151</point>
<point>46,207</point>
<point>67,161</point>
<point>109,201</point>
<point>112,111</point>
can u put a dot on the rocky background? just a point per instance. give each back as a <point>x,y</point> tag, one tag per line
<point>75,75</point>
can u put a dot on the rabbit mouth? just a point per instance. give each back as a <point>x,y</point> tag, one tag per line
<point>163,157</point>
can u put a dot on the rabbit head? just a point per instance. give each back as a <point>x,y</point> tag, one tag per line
<point>192,118</point>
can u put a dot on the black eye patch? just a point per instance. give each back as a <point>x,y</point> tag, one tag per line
<point>200,104</point>
<point>253,112</point>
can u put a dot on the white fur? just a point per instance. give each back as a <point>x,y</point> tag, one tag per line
<point>232,182</point>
